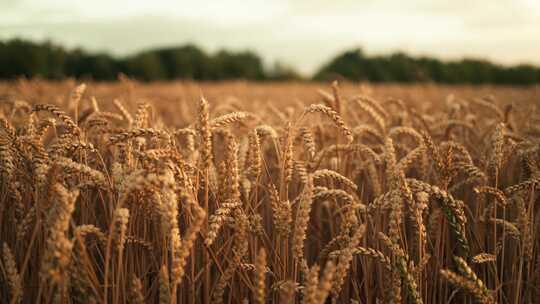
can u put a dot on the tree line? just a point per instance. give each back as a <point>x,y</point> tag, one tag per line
<point>47,60</point>
<point>30,59</point>
<point>400,67</point>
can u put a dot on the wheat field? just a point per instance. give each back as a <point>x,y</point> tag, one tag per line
<point>268,193</point>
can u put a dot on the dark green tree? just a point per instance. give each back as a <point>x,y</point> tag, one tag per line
<point>146,66</point>
<point>399,67</point>
<point>185,62</point>
<point>229,65</point>
<point>24,58</point>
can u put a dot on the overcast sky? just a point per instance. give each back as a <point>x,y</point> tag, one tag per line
<point>302,33</point>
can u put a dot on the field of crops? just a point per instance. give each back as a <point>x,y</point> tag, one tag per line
<point>246,192</point>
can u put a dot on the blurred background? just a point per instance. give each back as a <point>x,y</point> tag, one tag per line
<point>474,41</point>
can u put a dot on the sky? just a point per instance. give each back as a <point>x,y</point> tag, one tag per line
<point>304,34</point>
